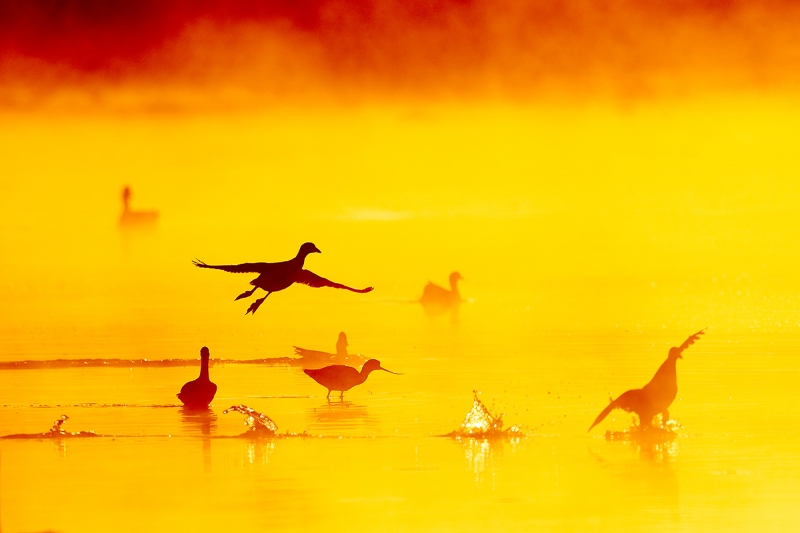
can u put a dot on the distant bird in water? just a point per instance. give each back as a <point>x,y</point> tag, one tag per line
<point>316,359</point>
<point>274,277</point>
<point>131,218</point>
<point>656,396</point>
<point>344,378</point>
<point>197,394</point>
<point>436,300</point>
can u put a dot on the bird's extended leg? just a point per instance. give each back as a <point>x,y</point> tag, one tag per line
<point>255,305</point>
<point>328,397</point>
<point>246,294</point>
<point>341,396</point>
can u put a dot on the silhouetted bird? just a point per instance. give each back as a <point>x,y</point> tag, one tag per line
<point>316,359</point>
<point>436,299</point>
<point>198,394</point>
<point>130,217</point>
<point>274,277</point>
<point>656,396</point>
<point>343,378</point>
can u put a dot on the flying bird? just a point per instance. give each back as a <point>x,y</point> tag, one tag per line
<point>656,396</point>
<point>274,277</point>
<point>198,393</point>
<point>343,378</point>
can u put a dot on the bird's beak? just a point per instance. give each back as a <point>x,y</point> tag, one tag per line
<point>317,250</point>
<point>389,371</point>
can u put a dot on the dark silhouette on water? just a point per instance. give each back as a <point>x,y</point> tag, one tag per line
<point>316,359</point>
<point>198,394</point>
<point>655,397</point>
<point>132,218</point>
<point>437,300</point>
<point>274,277</point>
<point>344,378</point>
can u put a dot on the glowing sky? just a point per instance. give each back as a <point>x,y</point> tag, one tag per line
<point>178,55</point>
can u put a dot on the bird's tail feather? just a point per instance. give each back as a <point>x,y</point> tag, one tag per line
<point>604,413</point>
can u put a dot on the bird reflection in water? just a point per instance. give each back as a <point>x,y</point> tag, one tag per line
<point>437,300</point>
<point>314,359</point>
<point>135,219</point>
<point>200,420</point>
<point>340,415</point>
<point>658,444</point>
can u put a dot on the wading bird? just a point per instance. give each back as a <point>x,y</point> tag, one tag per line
<point>343,378</point>
<point>197,394</point>
<point>317,359</point>
<point>274,277</point>
<point>437,300</point>
<point>656,396</point>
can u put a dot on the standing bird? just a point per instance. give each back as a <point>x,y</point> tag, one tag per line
<point>656,396</point>
<point>198,394</point>
<point>274,277</point>
<point>342,378</point>
<point>436,299</point>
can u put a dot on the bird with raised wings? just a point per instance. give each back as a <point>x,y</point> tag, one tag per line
<point>274,277</point>
<point>656,396</point>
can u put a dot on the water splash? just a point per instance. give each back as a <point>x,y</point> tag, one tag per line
<point>655,434</point>
<point>258,424</point>
<point>56,432</point>
<point>481,424</point>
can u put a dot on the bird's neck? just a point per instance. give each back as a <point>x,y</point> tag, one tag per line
<point>667,371</point>
<point>363,375</point>
<point>300,258</point>
<point>454,287</point>
<point>204,369</point>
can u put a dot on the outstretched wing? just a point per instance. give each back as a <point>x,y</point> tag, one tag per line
<point>307,277</point>
<point>259,268</point>
<point>691,340</point>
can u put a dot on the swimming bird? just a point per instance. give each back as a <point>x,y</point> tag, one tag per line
<point>274,277</point>
<point>197,394</point>
<point>656,396</point>
<point>343,378</point>
<point>436,299</point>
<point>130,217</point>
<point>317,359</point>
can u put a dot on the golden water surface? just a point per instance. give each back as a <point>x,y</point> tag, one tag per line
<point>591,241</point>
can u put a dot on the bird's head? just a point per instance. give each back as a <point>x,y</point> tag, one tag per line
<point>456,276</point>
<point>374,364</point>
<point>204,353</point>
<point>675,353</point>
<point>308,248</point>
<point>342,340</point>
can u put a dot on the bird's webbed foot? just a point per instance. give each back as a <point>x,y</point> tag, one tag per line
<point>246,294</point>
<point>255,305</point>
